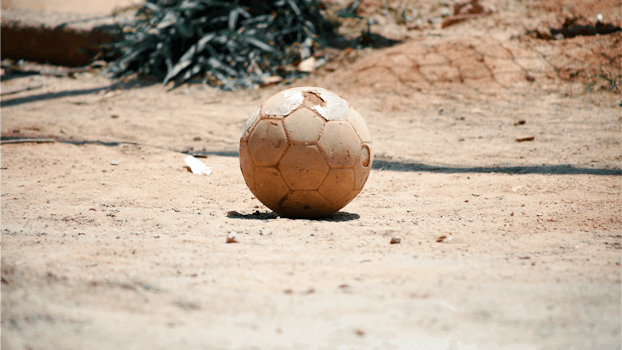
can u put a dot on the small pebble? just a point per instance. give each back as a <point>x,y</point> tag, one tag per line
<point>232,238</point>
<point>396,240</point>
<point>115,162</point>
<point>444,239</point>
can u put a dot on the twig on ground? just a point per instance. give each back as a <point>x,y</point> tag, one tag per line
<point>27,141</point>
<point>459,18</point>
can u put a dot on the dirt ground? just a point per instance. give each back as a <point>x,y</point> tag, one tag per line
<point>109,242</point>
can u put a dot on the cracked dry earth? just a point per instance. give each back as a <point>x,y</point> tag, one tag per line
<point>109,242</point>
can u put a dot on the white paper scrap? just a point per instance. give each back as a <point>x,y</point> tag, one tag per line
<point>197,166</point>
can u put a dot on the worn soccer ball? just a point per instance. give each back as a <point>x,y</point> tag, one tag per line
<point>305,152</point>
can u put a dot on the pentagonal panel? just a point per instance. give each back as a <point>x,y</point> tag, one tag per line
<point>358,123</point>
<point>305,204</point>
<point>337,184</point>
<point>362,166</point>
<point>247,166</point>
<point>282,104</point>
<point>270,188</point>
<point>303,167</point>
<point>252,121</point>
<point>340,144</point>
<point>303,126</point>
<point>267,142</point>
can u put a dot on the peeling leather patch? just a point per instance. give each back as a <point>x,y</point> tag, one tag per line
<point>293,99</point>
<point>336,108</point>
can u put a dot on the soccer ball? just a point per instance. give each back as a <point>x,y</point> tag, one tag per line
<point>305,152</point>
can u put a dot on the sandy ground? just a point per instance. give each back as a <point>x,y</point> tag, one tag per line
<point>108,242</point>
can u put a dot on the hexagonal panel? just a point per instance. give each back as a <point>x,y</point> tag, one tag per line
<point>270,188</point>
<point>362,167</point>
<point>250,123</point>
<point>282,104</point>
<point>303,167</point>
<point>247,166</point>
<point>358,123</point>
<point>305,204</point>
<point>340,144</point>
<point>337,184</point>
<point>267,142</point>
<point>303,126</point>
